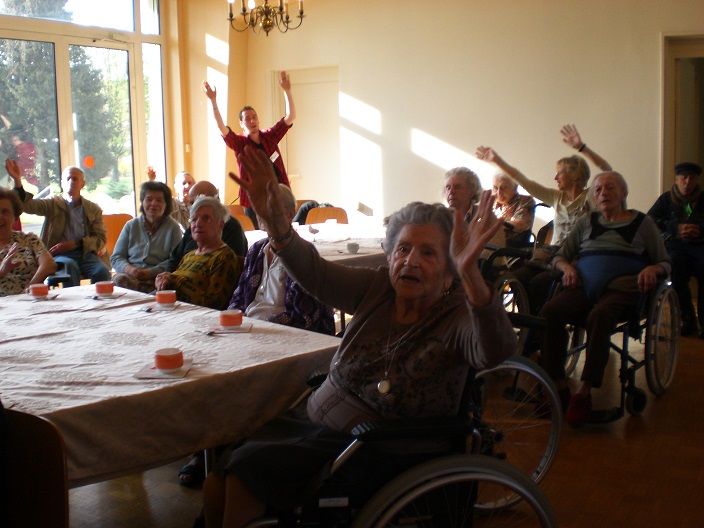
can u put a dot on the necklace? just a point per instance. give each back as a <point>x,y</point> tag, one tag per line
<point>384,385</point>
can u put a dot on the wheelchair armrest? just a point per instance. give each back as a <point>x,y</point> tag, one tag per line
<point>412,428</point>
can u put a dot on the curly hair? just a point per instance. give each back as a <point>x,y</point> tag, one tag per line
<point>577,168</point>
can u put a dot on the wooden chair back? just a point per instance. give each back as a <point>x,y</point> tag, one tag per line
<point>114,224</point>
<point>319,215</point>
<point>34,466</point>
<point>245,222</point>
<point>236,209</point>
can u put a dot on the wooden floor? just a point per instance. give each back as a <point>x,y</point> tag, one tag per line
<point>642,471</point>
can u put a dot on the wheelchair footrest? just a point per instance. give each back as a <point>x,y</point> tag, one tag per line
<point>602,416</point>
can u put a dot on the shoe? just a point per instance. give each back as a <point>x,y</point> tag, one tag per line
<point>192,474</point>
<point>578,410</point>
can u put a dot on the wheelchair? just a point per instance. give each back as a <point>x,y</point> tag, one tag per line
<point>498,450</point>
<point>655,322</point>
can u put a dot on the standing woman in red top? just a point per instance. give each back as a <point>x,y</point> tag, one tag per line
<point>267,140</point>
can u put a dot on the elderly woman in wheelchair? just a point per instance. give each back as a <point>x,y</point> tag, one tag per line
<point>610,257</point>
<point>416,334</point>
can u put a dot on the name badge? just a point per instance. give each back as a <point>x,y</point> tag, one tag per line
<point>274,156</point>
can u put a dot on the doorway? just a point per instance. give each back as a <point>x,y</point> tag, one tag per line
<point>683,105</point>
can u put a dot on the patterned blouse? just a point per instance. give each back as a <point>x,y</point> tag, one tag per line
<point>28,254</point>
<point>207,280</point>
<point>520,207</point>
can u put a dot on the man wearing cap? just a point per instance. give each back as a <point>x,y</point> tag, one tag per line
<point>679,214</point>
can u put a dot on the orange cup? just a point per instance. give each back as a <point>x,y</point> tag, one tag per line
<point>230,318</point>
<point>166,297</point>
<point>168,359</point>
<point>39,290</point>
<point>104,288</point>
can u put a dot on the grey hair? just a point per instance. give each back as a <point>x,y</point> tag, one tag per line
<point>505,177</point>
<point>621,183</point>
<point>469,177</point>
<point>290,199</point>
<point>419,213</point>
<point>220,212</point>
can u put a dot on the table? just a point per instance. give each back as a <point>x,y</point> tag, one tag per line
<point>73,360</point>
<point>331,239</point>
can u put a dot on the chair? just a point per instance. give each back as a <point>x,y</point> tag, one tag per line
<point>245,221</point>
<point>34,471</point>
<point>319,215</point>
<point>490,469</point>
<point>236,209</point>
<point>113,225</point>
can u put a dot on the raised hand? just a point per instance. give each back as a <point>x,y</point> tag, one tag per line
<point>466,246</point>
<point>486,154</point>
<point>9,263</point>
<point>212,93</point>
<point>13,169</point>
<point>570,136</point>
<point>263,189</point>
<point>151,173</point>
<point>284,81</point>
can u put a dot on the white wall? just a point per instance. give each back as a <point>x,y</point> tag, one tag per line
<point>506,74</point>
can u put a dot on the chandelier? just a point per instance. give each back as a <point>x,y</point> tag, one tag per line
<point>265,16</point>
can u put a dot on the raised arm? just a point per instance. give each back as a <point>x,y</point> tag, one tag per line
<point>468,241</point>
<point>571,137</point>
<point>535,189</point>
<point>285,83</point>
<point>212,94</point>
<point>14,171</point>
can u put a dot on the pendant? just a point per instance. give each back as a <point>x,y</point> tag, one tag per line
<point>384,386</point>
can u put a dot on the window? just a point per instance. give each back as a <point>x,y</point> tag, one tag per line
<point>76,93</point>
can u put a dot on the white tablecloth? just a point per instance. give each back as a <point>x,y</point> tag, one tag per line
<point>73,360</point>
<point>331,239</point>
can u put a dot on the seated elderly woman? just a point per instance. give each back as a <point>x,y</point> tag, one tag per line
<point>569,202</point>
<point>462,191</point>
<point>24,259</point>
<point>514,210</point>
<point>143,247</point>
<point>206,275</point>
<point>618,253</point>
<point>415,334</point>
<point>265,290</point>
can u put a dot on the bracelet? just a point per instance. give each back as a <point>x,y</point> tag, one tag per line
<point>283,238</point>
<point>580,149</point>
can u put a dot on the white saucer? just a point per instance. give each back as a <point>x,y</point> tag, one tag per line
<point>164,307</point>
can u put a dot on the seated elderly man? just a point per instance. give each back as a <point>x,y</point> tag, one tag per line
<point>208,274</point>
<point>24,260</point>
<point>232,232</point>
<point>515,210</point>
<point>265,290</point>
<point>183,183</point>
<point>679,213</point>
<point>73,229</point>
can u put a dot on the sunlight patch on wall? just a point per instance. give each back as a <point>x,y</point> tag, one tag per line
<point>217,49</point>
<point>359,113</point>
<point>361,175</point>
<point>446,156</point>
<point>216,146</point>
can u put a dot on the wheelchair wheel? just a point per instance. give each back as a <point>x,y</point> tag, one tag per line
<point>515,300</point>
<point>574,348</point>
<point>458,491</point>
<point>662,339</point>
<point>636,400</point>
<point>521,409</point>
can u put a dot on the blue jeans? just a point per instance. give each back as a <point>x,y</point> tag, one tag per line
<point>89,265</point>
